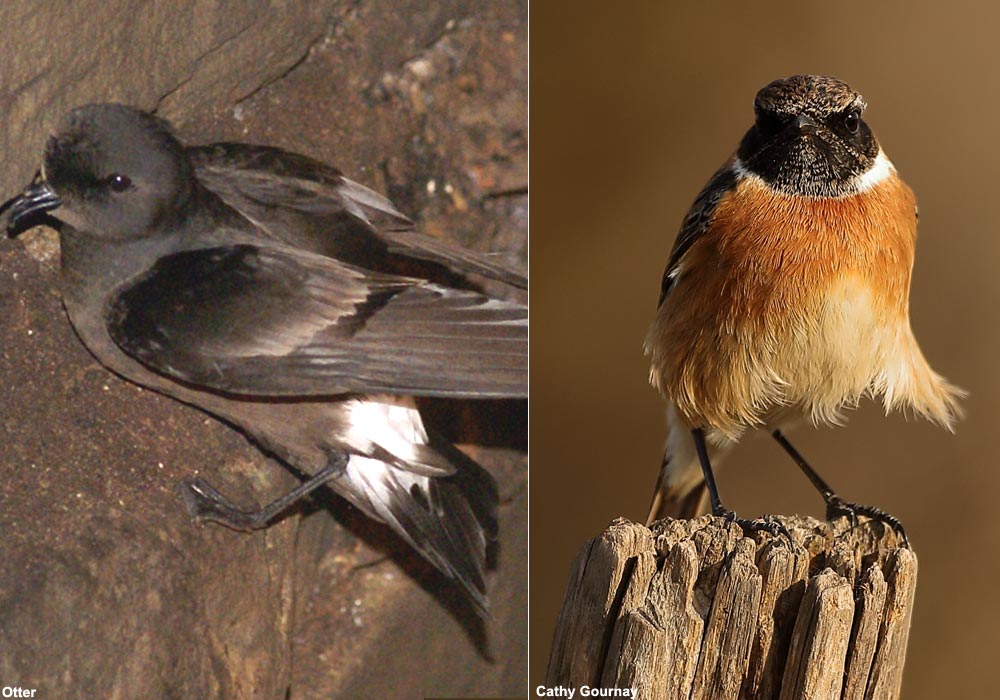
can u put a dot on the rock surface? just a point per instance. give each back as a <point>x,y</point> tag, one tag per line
<point>108,589</point>
<point>182,56</point>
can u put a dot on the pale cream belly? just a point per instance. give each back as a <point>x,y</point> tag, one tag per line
<point>834,355</point>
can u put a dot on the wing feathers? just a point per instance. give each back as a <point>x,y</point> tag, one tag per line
<point>448,520</point>
<point>263,183</point>
<point>279,322</point>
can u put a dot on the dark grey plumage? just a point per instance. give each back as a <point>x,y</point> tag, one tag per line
<point>269,290</point>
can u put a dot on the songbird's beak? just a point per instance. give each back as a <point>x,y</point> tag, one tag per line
<point>805,124</point>
<point>37,198</point>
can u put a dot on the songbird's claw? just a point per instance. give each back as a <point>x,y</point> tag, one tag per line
<point>836,506</point>
<point>768,523</point>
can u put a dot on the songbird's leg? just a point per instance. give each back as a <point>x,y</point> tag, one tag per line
<point>835,505</point>
<point>775,527</point>
<point>204,501</point>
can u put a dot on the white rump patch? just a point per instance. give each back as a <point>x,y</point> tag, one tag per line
<point>394,427</point>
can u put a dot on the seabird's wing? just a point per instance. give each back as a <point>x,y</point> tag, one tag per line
<point>260,321</point>
<point>310,205</point>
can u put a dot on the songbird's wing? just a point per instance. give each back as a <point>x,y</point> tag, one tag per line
<point>249,320</point>
<point>309,205</point>
<point>696,222</point>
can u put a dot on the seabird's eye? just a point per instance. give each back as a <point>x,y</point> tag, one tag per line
<point>852,120</point>
<point>119,183</point>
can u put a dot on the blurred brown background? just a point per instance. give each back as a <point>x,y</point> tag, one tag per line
<point>634,106</point>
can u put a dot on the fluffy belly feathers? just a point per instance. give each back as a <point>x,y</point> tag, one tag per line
<point>755,328</point>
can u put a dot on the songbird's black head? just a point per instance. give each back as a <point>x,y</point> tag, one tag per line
<point>809,137</point>
<point>110,171</point>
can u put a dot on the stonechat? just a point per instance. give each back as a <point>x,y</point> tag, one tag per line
<point>787,295</point>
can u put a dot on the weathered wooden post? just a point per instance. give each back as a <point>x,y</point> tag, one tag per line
<point>694,609</point>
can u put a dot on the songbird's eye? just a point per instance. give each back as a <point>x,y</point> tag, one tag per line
<point>769,123</point>
<point>118,183</point>
<point>852,120</point>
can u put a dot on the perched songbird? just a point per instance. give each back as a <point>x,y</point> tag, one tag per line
<point>269,290</point>
<point>787,293</point>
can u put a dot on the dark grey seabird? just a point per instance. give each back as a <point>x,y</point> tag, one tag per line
<point>267,289</point>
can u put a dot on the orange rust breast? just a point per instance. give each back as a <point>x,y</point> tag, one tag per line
<point>755,289</point>
<point>790,247</point>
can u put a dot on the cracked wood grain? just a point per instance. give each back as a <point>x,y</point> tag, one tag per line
<point>695,609</point>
